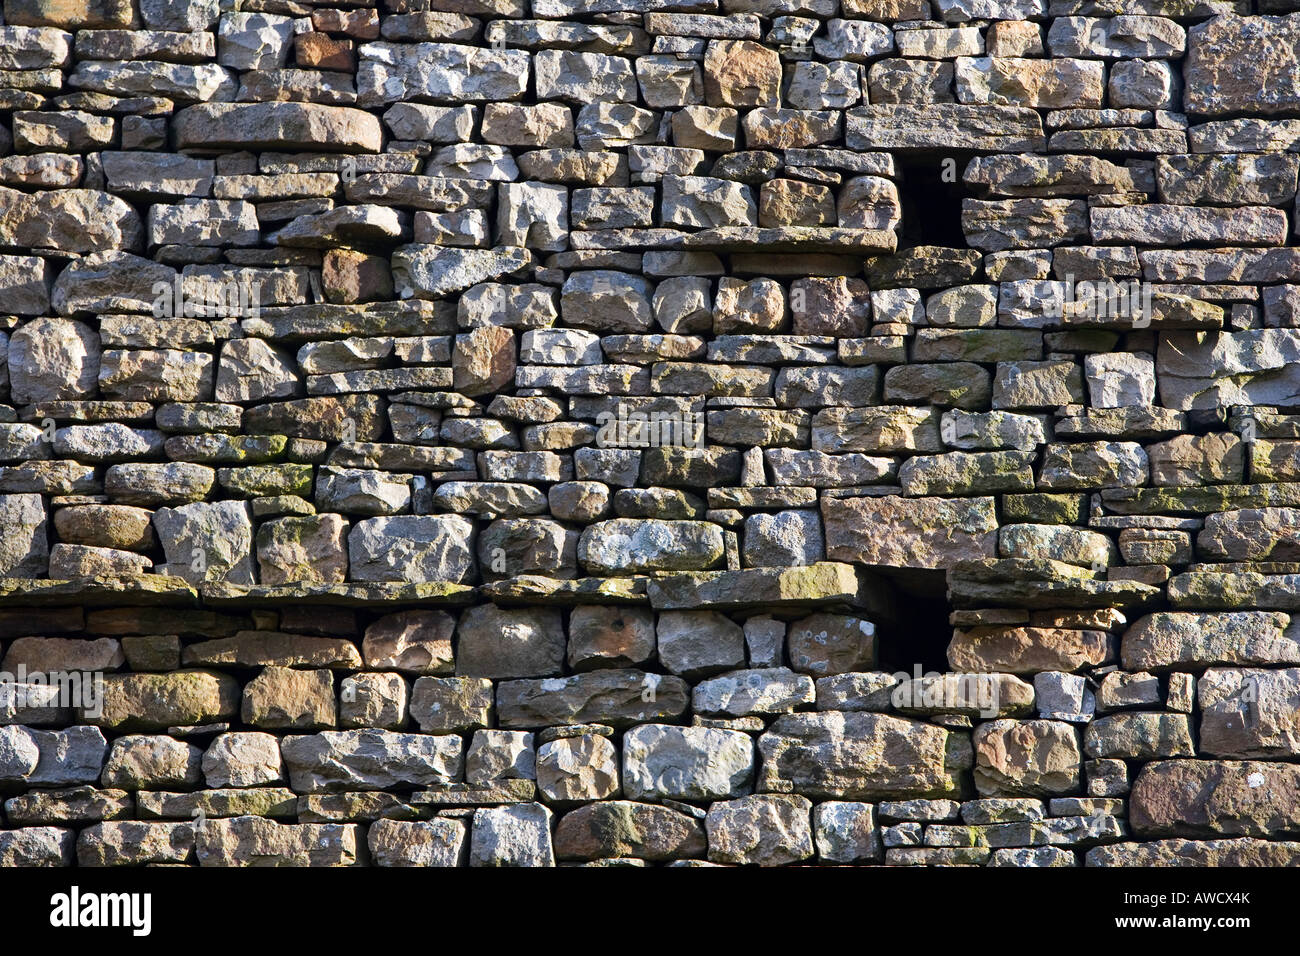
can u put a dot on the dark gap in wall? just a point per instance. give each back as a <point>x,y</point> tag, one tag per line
<point>931,205</point>
<point>920,633</point>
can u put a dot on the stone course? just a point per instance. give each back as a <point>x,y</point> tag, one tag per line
<point>688,432</point>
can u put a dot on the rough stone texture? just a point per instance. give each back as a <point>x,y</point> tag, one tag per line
<point>763,829</point>
<point>686,763</point>
<point>618,828</point>
<point>506,433</point>
<point>1215,798</point>
<point>854,755</point>
<point>1038,757</point>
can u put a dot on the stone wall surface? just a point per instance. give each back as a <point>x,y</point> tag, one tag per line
<point>644,432</point>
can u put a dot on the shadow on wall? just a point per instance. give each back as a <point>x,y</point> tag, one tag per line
<point>919,632</point>
<point>930,191</point>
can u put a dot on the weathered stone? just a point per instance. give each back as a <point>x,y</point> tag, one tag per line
<point>1215,84</point>
<point>610,636</point>
<point>846,832</point>
<point>576,769</point>
<point>1025,650</point>
<point>1172,639</point>
<point>629,546</point>
<point>1139,736</point>
<point>51,359</point>
<point>412,548</point>
<point>855,755</point>
<point>1214,798</point>
<point>207,541</point>
<point>24,551</point>
<point>127,843</point>
<point>686,763</point>
<point>442,704</point>
<point>282,698</point>
<point>243,759</point>
<point>370,760</point>
<point>1228,368</point>
<point>37,846</point>
<point>158,701</point>
<point>619,828</point>
<point>1210,853</point>
<point>69,220</point>
<point>617,697</point>
<point>1249,712</point>
<point>909,532</point>
<point>763,829</point>
<point>512,836</point>
<point>151,762</point>
<point>438,842</point>
<point>498,643</point>
<point>417,642</point>
<point>256,841</point>
<point>1037,757</point>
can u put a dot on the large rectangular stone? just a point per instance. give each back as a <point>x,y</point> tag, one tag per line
<point>944,126</point>
<point>856,755</point>
<point>1256,367</point>
<point>910,532</point>
<point>1243,64</point>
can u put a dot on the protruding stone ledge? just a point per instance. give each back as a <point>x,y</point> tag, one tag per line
<point>142,590</point>
<point>865,242</point>
<point>1234,591</point>
<point>1019,582</point>
<point>832,239</point>
<point>359,595</point>
<point>817,585</point>
<point>1199,501</point>
<point>539,589</point>
<point>825,584</point>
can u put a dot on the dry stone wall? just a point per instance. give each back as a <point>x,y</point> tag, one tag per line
<point>520,432</point>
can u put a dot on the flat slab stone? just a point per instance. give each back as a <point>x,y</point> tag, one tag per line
<point>359,595</point>
<point>284,126</point>
<point>539,589</point>
<point>824,583</point>
<point>1208,853</point>
<point>141,590</point>
<point>1234,590</point>
<point>1011,129</point>
<point>1216,798</point>
<point>1017,582</point>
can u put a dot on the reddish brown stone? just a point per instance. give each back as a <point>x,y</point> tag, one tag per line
<point>484,360</point>
<point>349,277</point>
<point>324,52</point>
<point>362,24</point>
